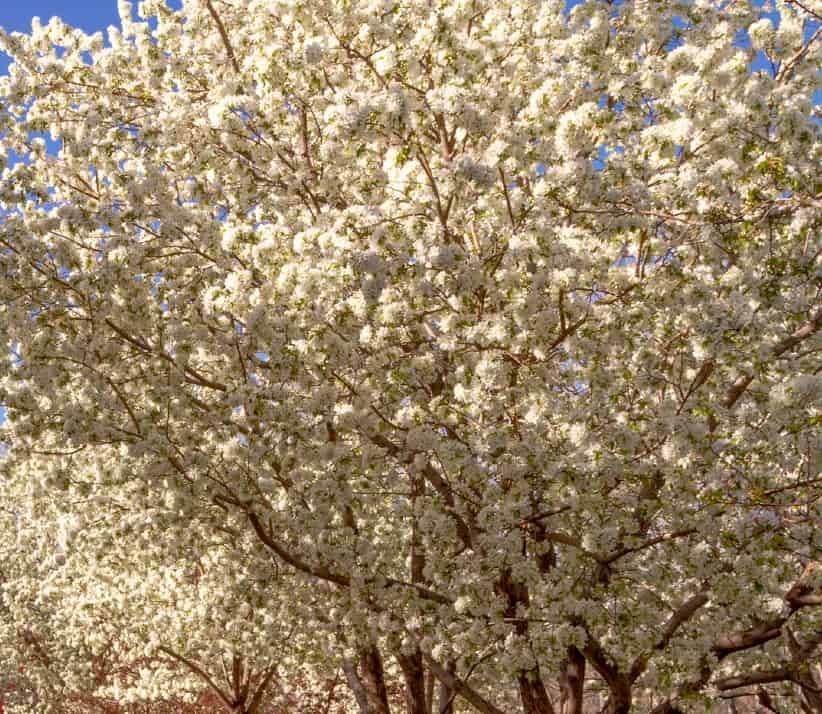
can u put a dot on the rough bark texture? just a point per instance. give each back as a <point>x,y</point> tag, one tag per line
<point>445,703</point>
<point>571,682</point>
<point>373,680</point>
<point>430,681</point>
<point>532,693</point>
<point>355,685</point>
<point>413,674</point>
<point>811,690</point>
<point>479,702</point>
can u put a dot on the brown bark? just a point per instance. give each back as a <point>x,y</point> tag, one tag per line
<point>619,685</point>
<point>532,693</point>
<point>680,616</point>
<point>266,535</point>
<point>811,690</point>
<point>414,675</point>
<point>806,673</point>
<point>429,691</point>
<point>257,699</point>
<point>808,329</point>
<point>572,682</point>
<point>373,680</point>
<point>367,682</point>
<point>469,694</point>
<point>354,683</point>
<point>225,697</point>
<point>534,698</point>
<point>447,694</point>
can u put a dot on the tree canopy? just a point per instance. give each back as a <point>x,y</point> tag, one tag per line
<point>464,353</point>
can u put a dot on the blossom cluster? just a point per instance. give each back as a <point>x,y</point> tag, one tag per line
<point>393,341</point>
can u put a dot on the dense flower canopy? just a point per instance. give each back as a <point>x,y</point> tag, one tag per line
<point>464,341</point>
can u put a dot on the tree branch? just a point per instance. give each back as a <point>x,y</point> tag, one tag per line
<point>680,616</point>
<point>224,35</point>
<point>780,674</point>
<point>200,672</point>
<point>324,573</point>
<point>459,686</point>
<point>738,388</point>
<point>254,705</point>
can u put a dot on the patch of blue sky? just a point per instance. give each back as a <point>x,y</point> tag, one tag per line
<point>601,160</point>
<point>617,107</point>
<point>89,15</point>
<point>12,158</point>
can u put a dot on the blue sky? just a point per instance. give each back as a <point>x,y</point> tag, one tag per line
<point>88,14</point>
<point>91,15</point>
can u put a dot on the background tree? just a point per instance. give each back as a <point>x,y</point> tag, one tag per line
<point>497,325</point>
<point>112,604</point>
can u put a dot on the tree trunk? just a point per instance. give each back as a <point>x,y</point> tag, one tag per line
<point>429,691</point>
<point>445,702</point>
<point>572,682</point>
<point>619,702</point>
<point>811,690</point>
<point>414,676</point>
<point>355,685</point>
<point>373,680</point>
<point>532,693</point>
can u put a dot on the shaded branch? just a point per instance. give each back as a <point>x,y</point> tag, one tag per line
<point>200,672</point>
<point>460,687</point>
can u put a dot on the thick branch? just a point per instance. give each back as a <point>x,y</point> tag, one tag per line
<point>194,377</point>
<point>780,674</point>
<point>457,684</point>
<point>685,612</point>
<point>355,684</point>
<point>257,699</point>
<point>324,573</point>
<point>758,635</point>
<point>293,560</point>
<point>738,388</point>
<point>618,684</point>
<point>200,672</point>
<point>440,486</point>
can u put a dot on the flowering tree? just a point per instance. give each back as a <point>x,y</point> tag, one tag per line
<point>112,601</point>
<point>496,327</point>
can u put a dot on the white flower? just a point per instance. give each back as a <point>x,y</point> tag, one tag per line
<point>762,33</point>
<point>462,603</point>
<point>574,130</point>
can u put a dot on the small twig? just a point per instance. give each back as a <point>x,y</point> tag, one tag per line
<point>805,8</point>
<point>508,201</point>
